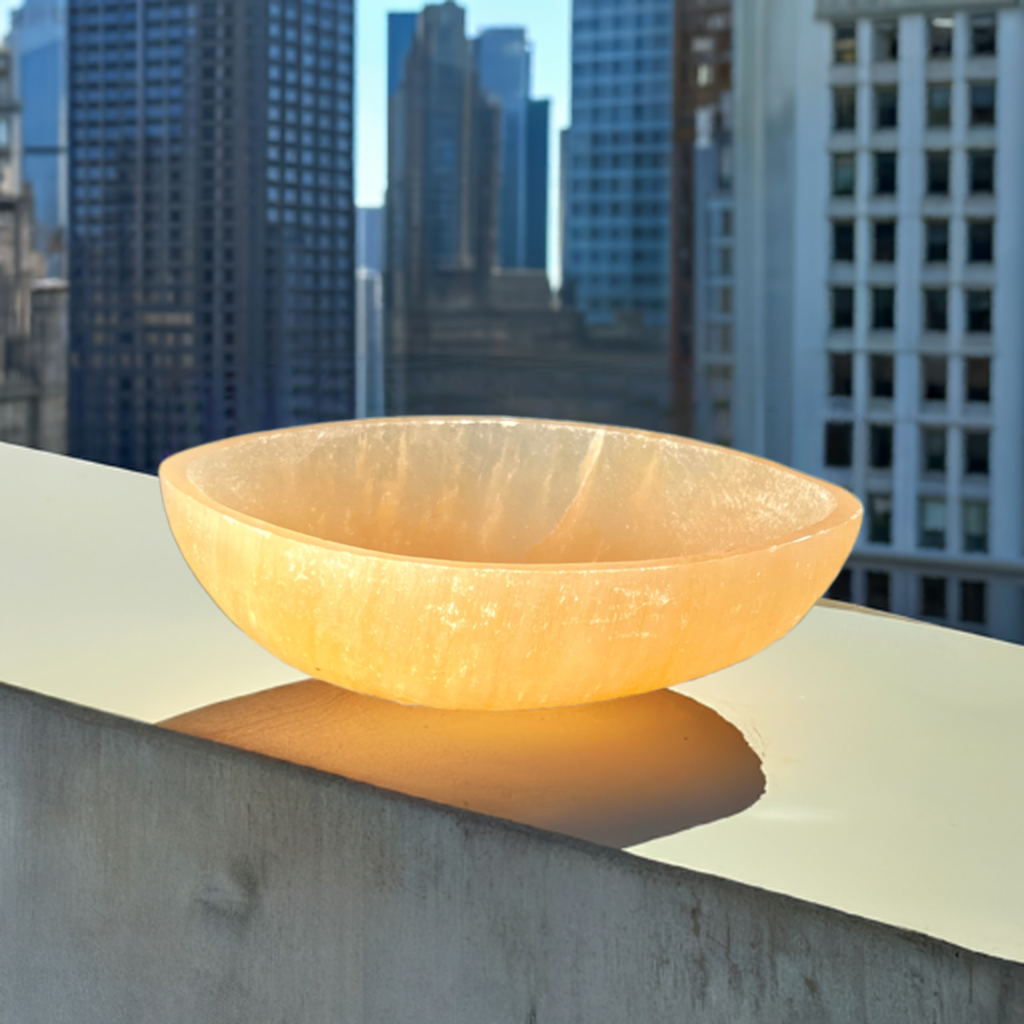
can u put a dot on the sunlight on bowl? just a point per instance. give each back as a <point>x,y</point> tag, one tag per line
<point>498,564</point>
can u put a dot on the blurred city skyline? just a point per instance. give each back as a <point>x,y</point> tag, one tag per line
<point>548,27</point>
<point>547,23</point>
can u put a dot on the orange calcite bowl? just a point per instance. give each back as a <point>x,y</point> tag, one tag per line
<point>493,563</point>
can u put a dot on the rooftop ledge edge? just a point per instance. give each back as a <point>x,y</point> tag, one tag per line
<point>834,9</point>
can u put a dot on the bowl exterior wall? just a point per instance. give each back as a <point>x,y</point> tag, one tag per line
<point>462,635</point>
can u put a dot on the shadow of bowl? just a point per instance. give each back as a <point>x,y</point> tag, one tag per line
<point>616,773</point>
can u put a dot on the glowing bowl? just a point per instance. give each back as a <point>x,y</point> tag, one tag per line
<point>495,563</point>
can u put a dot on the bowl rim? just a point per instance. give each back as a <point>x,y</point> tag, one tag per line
<point>173,472</point>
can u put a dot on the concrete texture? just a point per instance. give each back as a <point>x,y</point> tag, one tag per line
<point>148,876</point>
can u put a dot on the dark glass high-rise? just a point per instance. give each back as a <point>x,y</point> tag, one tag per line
<point>211,222</point>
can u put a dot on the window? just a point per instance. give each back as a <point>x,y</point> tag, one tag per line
<point>844,174</point>
<point>982,168</point>
<point>938,105</point>
<point>975,523</point>
<point>842,586</point>
<point>881,447</point>
<point>937,173</point>
<point>932,523</point>
<point>878,590</point>
<point>886,103</point>
<point>983,35</point>
<point>844,44</point>
<point>883,308</point>
<point>883,369</point>
<point>885,173</point>
<point>842,241</point>
<point>842,308</point>
<point>972,601</point>
<point>978,380</point>
<point>838,444</point>
<point>840,373</point>
<point>935,309</point>
<point>880,518</point>
<point>976,453</point>
<point>979,241</point>
<point>885,241</point>
<point>933,450</point>
<point>933,378</point>
<point>979,311</point>
<point>940,38</point>
<point>936,241</point>
<point>844,109</point>
<point>983,103</point>
<point>933,597</point>
<point>886,41</point>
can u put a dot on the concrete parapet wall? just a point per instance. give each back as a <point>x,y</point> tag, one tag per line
<point>148,876</point>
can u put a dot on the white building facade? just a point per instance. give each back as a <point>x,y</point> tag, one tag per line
<point>880,285</point>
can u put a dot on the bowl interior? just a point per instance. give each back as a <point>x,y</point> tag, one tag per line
<point>509,491</point>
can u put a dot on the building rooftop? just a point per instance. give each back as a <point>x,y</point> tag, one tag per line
<point>892,749</point>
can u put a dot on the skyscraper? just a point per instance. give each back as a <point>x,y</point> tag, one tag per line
<point>538,127</point>
<point>442,164</point>
<point>38,42</point>
<point>211,222</point>
<point>463,333</point>
<point>401,31</point>
<point>879,313</point>
<point>503,66</point>
<point>616,217</point>
<point>701,308</point>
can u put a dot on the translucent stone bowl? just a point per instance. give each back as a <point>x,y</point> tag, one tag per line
<point>493,563</point>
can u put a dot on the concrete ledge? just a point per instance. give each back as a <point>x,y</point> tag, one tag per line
<point>146,875</point>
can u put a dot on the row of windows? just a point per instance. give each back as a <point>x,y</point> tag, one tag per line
<point>321,37</point>
<point>977,309</point>
<point>306,218</point>
<point>635,184</point>
<point>933,376</point>
<point>600,161</point>
<point>933,449</point>
<point>939,42</point>
<point>313,12</point>
<point>618,22</point>
<point>606,69</point>
<point>619,90</point>
<point>657,210</point>
<point>932,529</point>
<point>309,59</point>
<point>933,595</point>
<point>980,173</point>
<point>981,106</point>
<point>620,44</point>
<point>629,139</point>
<point>979,248</point>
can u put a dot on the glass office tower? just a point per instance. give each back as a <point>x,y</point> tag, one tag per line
<point>211,222</point>
<point>617,201</point>
<point>38,42</point>
<point>538,120</point>
<point>401,32</point>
